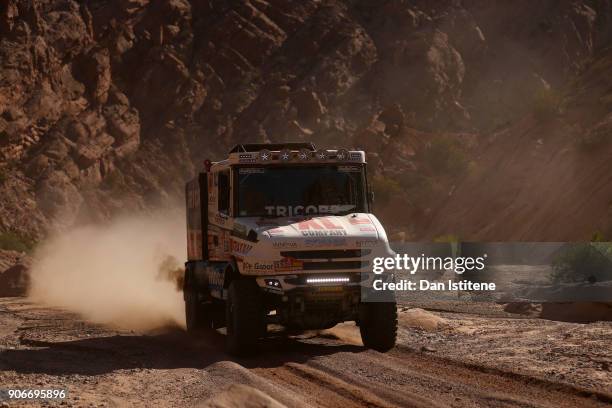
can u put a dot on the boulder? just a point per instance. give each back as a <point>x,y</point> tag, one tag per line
<point>579,312</point>
<point>14,281</point>
<point>14,273</point>
<point>421,319</point>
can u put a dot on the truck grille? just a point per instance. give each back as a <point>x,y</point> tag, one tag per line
<point>327,253</point>
<point>334,266</point>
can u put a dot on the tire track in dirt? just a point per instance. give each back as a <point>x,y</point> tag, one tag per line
<point>407,378</point>
<point>320,388</point>
<point>400,375</point>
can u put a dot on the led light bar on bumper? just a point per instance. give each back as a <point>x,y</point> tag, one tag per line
<point>328,280</point>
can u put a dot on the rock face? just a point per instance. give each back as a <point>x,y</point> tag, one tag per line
<point>111,105</point>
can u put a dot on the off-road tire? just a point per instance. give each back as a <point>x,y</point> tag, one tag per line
<point>244,317</point>
<point>378,325</point>
<point>196,316</point>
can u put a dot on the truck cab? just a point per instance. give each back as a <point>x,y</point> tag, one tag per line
<point>283,234</point>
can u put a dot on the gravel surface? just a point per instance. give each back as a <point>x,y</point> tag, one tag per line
<point>442,359</point>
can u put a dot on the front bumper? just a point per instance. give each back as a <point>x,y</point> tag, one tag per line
<point>284,284</point>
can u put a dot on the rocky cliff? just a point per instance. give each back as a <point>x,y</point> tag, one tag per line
<point>108,106</point>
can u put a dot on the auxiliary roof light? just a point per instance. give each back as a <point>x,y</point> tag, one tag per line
<point>342,154</point>
<point>304,154</point>
<point>322,154</point>
<point>285,155</point>
<point>265,155</point>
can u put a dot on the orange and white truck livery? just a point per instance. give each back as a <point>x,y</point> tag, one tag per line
<point>283,234</point>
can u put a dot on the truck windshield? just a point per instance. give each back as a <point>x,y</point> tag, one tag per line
<point>300,190</point>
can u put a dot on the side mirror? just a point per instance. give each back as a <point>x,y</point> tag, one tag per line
<point>371,200</point>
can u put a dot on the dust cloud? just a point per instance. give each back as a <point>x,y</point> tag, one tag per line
<point>122,274</point>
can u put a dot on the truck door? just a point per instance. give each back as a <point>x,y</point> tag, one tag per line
<point>220,211</point>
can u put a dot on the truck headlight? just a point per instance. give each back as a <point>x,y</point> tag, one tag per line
<point>272,283</point>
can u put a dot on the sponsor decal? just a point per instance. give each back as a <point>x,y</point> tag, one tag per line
<point>284,244</point>
<point>241,247</point>
<point>276,232</point>
<point>366,244</point>
<point>288,264</point>
<point>251,170</point>
<point>226,242</point>
<point>257,266</point>
<point>322,227</point>
<point>219,219</point>
<point>292,210</point>
<point>324,233</point>
<point>367,229</point>
<point>324,241</point>
<point>318,224</point>
<point>360,221</point>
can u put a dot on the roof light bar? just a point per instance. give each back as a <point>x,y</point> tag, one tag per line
<point>328,280</point>
<point>303,155</point>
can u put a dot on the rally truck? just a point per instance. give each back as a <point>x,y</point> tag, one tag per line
<point>283,234</point>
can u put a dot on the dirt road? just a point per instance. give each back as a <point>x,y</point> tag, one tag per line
<point>46,348</point>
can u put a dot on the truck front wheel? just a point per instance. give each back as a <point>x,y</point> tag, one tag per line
<point>244,316</point>
<point>378,325</point>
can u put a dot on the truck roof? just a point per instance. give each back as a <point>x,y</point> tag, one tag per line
<point>255,147</point>
<point>299,153</point>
